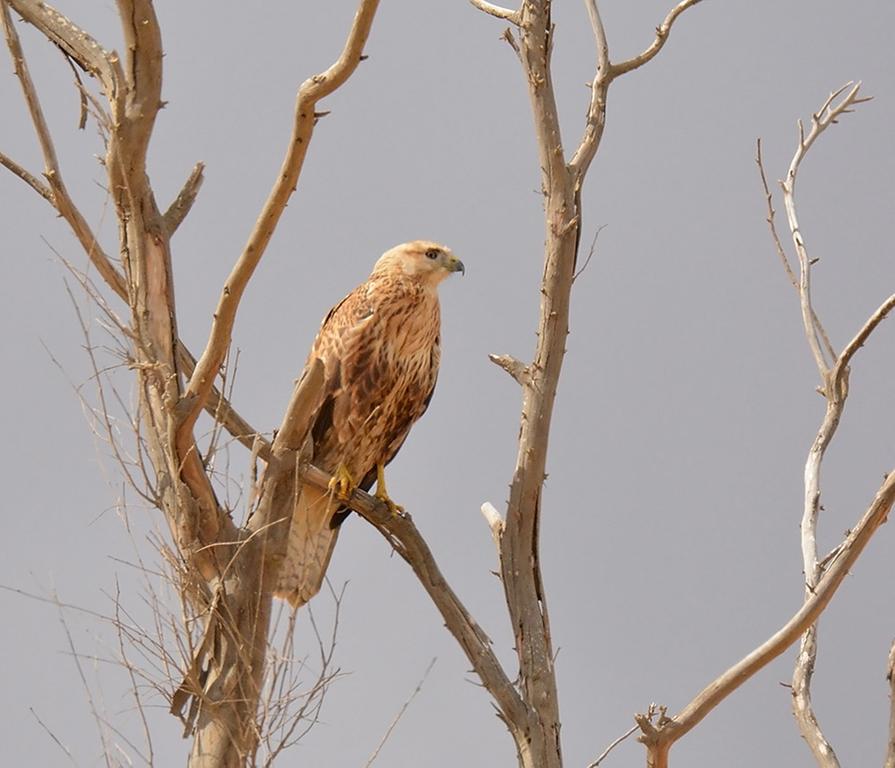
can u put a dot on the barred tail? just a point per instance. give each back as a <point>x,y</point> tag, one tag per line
<point>312,539</point>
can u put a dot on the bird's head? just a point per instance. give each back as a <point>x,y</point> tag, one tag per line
<point>421,260</point>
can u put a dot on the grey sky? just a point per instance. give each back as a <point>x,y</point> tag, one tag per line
<point>687,404</point>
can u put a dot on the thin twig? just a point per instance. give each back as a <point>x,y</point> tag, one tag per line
<point>633,729</point>
<point>397,718</point>
<point>771,219</point>
<point>90,699</point>
<point>135,689</point>
<point>53,736</point>
<point>29,178</point>
<point>590,253</point>
<point>861,338</point>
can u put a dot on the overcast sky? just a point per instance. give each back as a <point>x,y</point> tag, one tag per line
<point>685,410</point>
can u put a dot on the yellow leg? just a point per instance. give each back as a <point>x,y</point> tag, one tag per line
<point>382,493</point>
<point>342,484</point>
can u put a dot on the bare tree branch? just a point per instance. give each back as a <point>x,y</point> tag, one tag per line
<point>834,386</point>
<point>662,32</point>
<point>825,116</point>
<point>715,692</point>
<point>605,753</point>
<point>183,203</point>
<point>406,540</point>
<point>784,259</point>
<point>143,77</point>
<point>218,405</point>
<point>397,718</point>
<point>516,368</point>
<point>822,579</point>
<point>842,362</point>
<point>771,218</point>
<point>595,121</point>
<point>311,91</point>
<point>495,10</point>
<point>222,409</point>
<point>74,41</point>
<point>495,523</point>
<point>30,179</point>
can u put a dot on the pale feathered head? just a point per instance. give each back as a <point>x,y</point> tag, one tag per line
<point>423,260</point>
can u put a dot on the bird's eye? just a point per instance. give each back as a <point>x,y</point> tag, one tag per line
<point>433,253</point>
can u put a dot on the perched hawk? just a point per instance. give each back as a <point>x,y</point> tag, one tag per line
<point>380,348</point>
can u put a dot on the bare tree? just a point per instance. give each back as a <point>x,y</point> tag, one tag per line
<point>227,572</point>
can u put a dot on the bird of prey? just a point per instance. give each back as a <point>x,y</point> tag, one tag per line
<point>380,349</point>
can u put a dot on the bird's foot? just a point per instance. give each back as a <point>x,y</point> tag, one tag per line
<point>382,493</point>
<point>396,509</point>
<point>341,483</point>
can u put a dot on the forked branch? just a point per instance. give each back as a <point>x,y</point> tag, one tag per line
<point>833,370</point>
<point>659,743</point>
<point>561,182</point>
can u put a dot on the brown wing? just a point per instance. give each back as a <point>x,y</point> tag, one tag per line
<point>316,516</point>
<point>344,344</point>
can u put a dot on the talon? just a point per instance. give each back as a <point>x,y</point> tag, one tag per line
<point>382,493</point>
<point>341,483</point>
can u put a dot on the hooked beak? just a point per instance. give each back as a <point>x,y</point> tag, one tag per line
<point>455,265</point>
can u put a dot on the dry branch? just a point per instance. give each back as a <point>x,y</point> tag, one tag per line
<point>605,753</point>
<point>406,540</point>
<point>834,387</point>
<point>820,121</point>
<point>74,41</point>
<point>781,253</point>
<point>29,178</point>
<point>713,694</point>
<point>662,32</point>
<point>497,11</point>
<point>183,203</point>
<point>311,91</point>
